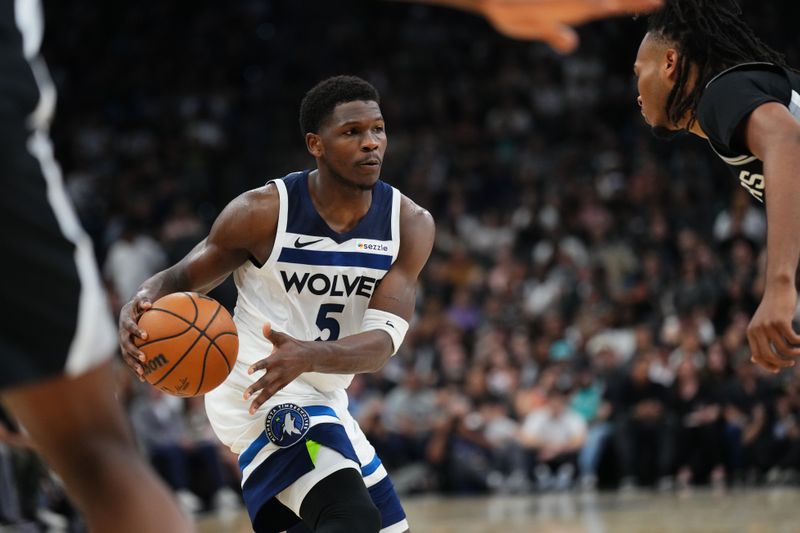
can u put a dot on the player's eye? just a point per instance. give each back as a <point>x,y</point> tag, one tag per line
<point>378,129</point>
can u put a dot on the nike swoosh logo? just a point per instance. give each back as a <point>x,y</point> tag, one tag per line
<point>389,324</point>
<point>298,244</point>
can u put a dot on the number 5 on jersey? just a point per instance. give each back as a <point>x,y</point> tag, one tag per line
<point>326,322</point>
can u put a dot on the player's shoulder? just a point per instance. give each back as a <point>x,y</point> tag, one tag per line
<point>261,198</point>
<point>252,215</point>
<point>765,76</point>
<point>415,215</point>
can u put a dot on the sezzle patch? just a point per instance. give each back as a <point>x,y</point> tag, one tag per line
<point>286,424</point>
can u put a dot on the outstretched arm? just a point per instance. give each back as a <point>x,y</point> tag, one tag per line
<point>772,134</point>
<point>362,352</point>
<point>246,227</point>
<point>546,20</point>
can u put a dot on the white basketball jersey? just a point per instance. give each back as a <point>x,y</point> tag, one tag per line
<point>316,283</point>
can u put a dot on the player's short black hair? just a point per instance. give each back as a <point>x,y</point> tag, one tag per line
<point>711,35</point>
<point>319,102</point>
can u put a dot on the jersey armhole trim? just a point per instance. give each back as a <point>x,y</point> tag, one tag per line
<point>396,197</point>
<point>283,211</point>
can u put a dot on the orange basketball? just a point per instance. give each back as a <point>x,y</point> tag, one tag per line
<point>191,343</point>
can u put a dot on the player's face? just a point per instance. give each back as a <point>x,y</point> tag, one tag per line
<point>655,72</point>
<point>351,143</point>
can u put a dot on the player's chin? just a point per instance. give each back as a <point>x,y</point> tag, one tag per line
<point>367,174</point>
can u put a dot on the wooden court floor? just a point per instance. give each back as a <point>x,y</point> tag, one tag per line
<point>737,511</point>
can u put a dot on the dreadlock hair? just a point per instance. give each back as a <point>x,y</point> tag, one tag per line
<point>319,102</point>
<point>711,35</point>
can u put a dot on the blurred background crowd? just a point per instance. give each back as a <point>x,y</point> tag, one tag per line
<point>581,323</point>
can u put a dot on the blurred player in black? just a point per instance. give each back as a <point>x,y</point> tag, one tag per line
<point>701,69</point>
<point>57,338</point>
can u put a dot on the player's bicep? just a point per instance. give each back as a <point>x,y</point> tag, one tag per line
<point>207,265</point>
<point>770,127</point>
<point>397,291</point>
<point>242,226</point>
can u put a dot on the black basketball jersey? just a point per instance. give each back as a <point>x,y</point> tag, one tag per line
<point>20,36</point>
<point>729,98</point>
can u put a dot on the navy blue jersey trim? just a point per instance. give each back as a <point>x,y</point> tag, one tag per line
<point>342,259</point>
<point>303,218</point>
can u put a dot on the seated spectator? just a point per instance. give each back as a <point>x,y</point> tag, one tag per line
<point>554,434</point>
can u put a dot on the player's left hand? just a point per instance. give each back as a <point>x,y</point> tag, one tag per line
<point>773,341</point>
<point>289,359</point>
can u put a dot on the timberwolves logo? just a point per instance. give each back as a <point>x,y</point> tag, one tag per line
<point>286,424</point>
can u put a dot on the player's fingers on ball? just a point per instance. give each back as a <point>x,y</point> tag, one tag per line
<point>134,365</point>
<point>129,348</point>
<point>133,328</point>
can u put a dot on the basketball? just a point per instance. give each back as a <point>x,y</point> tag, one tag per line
<point>191,343</point>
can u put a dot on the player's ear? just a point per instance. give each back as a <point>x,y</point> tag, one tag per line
<point>314,144</point>
<point>671,58</point>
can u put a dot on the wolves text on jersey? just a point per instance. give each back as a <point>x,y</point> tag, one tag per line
<point>336,285</point>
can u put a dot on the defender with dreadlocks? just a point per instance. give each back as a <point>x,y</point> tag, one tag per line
<point>701,69</point>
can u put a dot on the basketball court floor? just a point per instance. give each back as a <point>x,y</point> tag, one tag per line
<point>696,511</point>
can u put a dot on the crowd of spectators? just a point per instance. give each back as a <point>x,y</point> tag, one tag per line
<point>582,319</point>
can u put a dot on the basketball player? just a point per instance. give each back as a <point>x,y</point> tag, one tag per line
<point>701,69</point>
<point>326,265</point>
<point>546,20</point>
<point>56,336</point>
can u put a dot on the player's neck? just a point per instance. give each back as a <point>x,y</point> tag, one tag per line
<point>341,206</point>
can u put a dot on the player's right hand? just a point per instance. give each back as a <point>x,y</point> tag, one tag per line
<point>128,329</point>
<point>773,342</point>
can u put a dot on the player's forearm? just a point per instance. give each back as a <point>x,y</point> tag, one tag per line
<point>360,353</point>
<point>175,279</point>
<point>783,215</point>
<point>165,282</point>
